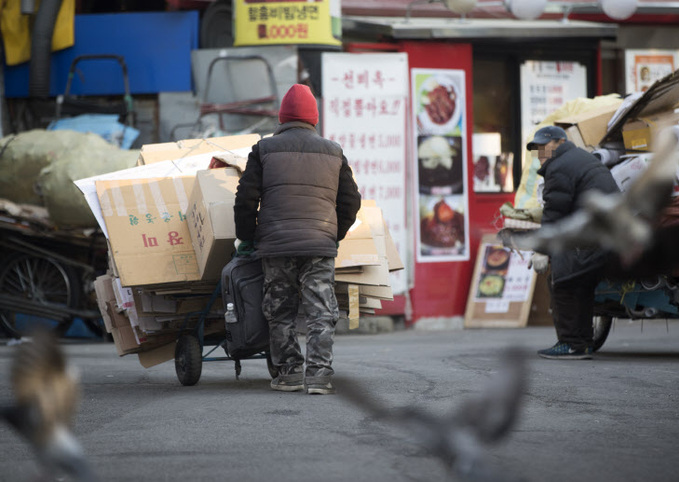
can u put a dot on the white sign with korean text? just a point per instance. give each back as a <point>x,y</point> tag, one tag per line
<point>364,110</point>
<point>545,87</point>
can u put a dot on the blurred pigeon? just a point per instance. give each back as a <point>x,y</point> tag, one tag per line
<point>623,223</point>
<point>46,395</point>
<point>458,438</point>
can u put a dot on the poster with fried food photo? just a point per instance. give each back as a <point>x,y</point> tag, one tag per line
<point>440,148</point>
<point>443,227</point>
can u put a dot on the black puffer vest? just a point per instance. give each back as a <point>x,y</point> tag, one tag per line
<point>300,177</point>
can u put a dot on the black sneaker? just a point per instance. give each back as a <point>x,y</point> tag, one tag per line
<point>563,351</point>
<point>288,383</point>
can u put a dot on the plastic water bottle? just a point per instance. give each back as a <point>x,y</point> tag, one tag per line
<point>230,314</point>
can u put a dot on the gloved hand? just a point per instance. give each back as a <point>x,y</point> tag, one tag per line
<point>244,248</point>
<point>539,262</point>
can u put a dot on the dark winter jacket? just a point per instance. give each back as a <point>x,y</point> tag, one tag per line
<point>297,196</point>
<point>568,174</point>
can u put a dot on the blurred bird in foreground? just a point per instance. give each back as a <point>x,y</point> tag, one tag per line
<point>625,223</point>
<point>458,438</point>
<point>46,395</point>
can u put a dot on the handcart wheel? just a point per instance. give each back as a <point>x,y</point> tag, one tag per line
<point>273,370</point>
<point>37,279</point>
<point>188,360</point>
<point>602,327</point>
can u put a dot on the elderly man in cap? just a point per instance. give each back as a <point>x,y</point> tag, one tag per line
<point>295,201</point>
<point>569,172</point>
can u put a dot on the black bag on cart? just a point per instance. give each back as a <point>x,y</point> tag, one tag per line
<point>242,285</point>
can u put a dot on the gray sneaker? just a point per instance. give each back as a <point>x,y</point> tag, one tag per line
<point>319,386</point>
<point>288,383</point>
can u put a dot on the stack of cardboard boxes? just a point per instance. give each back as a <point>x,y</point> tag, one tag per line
<point>623,135</point>
<point>170,235</point>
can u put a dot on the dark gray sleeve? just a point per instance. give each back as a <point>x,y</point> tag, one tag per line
<point>247,197</point>
<point>348,200</point>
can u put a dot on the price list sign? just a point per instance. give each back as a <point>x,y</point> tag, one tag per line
<point>364,110</point>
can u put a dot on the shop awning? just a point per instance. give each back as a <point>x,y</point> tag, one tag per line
<point>400,28</point>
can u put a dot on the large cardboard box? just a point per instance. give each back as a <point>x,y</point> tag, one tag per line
<point>152,153</point>
<point>211,225</point>
<point>148,229</point>
<point>639,134</point>
<point>587,129</point>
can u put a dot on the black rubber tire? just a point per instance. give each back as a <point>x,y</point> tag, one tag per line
<point>216,26</point>
<point>273,370</point>
<point>36,277</point>
<point>188,360</point>
<point>602,327</point>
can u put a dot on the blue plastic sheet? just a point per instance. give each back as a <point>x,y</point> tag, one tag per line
<point>104,125</point>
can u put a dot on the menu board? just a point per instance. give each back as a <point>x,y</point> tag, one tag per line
<point>502,288</point>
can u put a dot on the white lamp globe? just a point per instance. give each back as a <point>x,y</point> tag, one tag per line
<point>619,9</point>
<point>527,9</point>
<point>460,6</point>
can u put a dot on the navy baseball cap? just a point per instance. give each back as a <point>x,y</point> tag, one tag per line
<point>546,134</point>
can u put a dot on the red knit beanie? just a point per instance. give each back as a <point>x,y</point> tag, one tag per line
<point>298,104</point>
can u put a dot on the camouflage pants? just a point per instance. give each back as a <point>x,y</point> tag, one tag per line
<point>306,282</point>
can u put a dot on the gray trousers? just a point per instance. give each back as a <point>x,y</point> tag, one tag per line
<point>306,282</point>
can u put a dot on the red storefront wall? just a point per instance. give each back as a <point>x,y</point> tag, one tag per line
<point>441,289</point>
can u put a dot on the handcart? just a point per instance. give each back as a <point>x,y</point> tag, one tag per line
<point>656,298</point>
<point>46,274</point>
<point>257,112</point>
<point>189,356</point>
<point>69,104</point>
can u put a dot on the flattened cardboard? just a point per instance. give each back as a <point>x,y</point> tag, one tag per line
<point>156,356</point>
<point>148,232</point>
<point>592,125</point>
<point>152,153</point>
<point>660,97</point>
<point>358,247</point>
<point>211,224</point>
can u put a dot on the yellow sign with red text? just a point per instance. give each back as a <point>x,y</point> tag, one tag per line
<point>276,22</point>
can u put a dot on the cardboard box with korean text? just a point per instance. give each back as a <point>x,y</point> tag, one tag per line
<point>590,127</point>
<point>210,219</point>
<point>151,153</point>
<point>148,231</point>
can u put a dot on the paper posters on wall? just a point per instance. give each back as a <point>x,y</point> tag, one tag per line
<point>545,87</point>
<point>644,67</point>
<point>440,148</point>
<point>364,110</point>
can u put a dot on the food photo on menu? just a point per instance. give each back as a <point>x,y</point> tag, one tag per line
<point>439,164</point>
<point>442,225</point>
<point>439,106</point>
<point>494,271</point>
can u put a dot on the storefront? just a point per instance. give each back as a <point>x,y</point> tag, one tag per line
<point>476,87</point>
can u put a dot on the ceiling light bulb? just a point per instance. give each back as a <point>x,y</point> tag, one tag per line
<point>526,9</point>
<point>619,9</point>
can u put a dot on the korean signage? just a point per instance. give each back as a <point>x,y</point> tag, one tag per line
<point>644,67</point>
<point>440,147</point>
<point>545,87</point>
<point>364,110</point>
<point>276,22</point>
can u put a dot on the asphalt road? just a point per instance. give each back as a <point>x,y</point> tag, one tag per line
<point>615,418</point>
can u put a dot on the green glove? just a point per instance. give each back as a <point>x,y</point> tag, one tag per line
<point>245,248</point>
